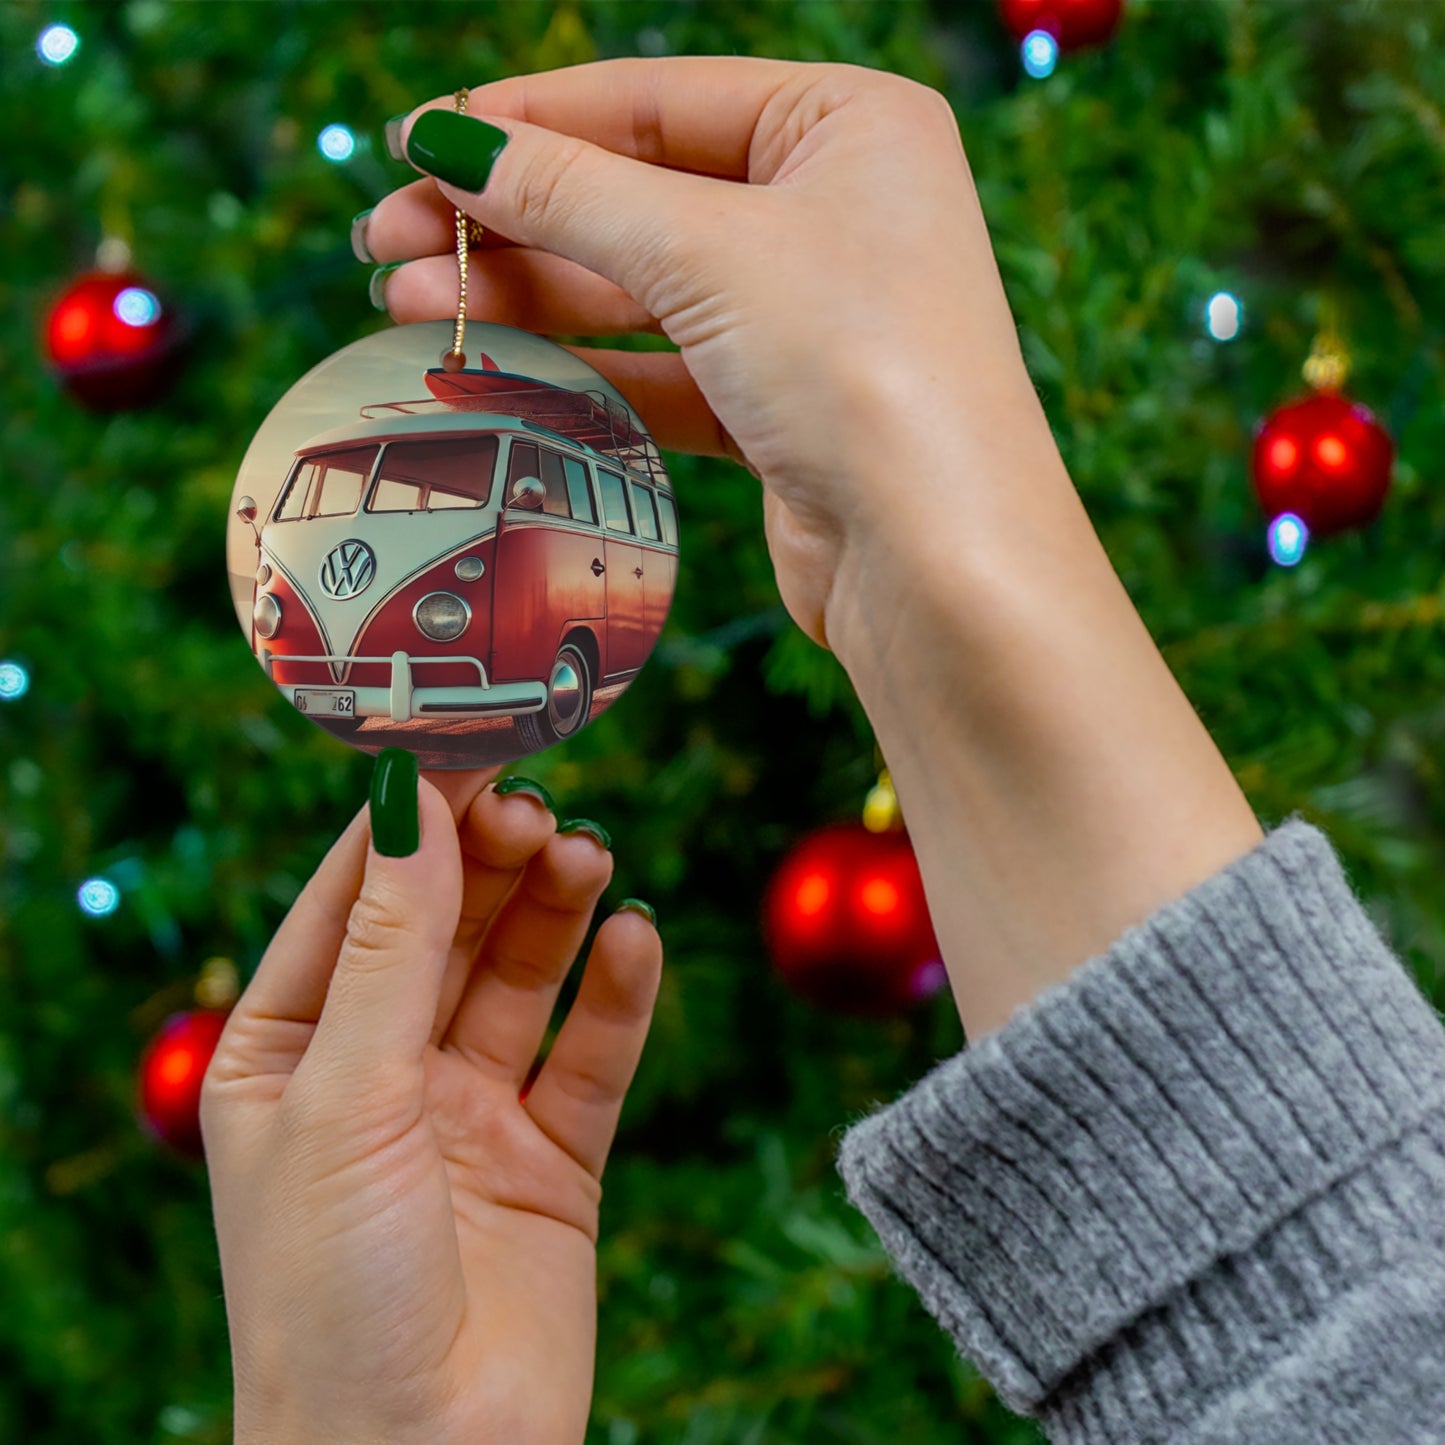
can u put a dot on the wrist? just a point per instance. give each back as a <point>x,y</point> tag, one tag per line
<point>1057,784</point>
<point>945,527</point>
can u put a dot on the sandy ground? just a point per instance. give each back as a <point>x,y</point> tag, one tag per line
<point>464,743</point>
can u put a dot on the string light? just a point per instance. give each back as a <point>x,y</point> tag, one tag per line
<point>1223,316</point>
<point>14,681</point>
<point>98,897</point>
<point>136,306</point>
<point>336,143</point>
<point>57,44</point>
<point>1040,52</point>
<point>1288,538</point>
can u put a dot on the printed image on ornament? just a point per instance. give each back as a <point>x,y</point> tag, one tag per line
<point>470,565</point>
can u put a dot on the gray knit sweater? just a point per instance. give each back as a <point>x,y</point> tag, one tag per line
<point>1196,1192</point>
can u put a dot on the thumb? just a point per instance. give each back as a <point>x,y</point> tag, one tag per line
<point>634,224</point>
<point>382,999</point>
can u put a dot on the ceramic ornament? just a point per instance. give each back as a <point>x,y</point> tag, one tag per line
<point>467,561</point>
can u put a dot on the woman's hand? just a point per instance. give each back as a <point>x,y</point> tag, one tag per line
<point>838,307</point>
<point>810,237</point>
<point>407,1246</point>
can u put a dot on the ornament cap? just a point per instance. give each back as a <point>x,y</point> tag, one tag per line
<point>113,254</point>
<point>1327,367</point>
<point>219,984</point>
<point>881,813</point>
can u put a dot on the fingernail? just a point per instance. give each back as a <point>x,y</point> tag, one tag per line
<point>377,287</point>
<point>393,136</point>
<point>586,825</point>
<point>359,248</point>
<point>527,786</point>
<point>636,905</point>
<point>395,824</point>
<point>455,148</point>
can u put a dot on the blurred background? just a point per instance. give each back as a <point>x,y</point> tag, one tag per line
<point>1187,207</point>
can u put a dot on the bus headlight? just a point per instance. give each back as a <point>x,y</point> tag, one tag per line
<point>441,616</point>
<point>266,614</point>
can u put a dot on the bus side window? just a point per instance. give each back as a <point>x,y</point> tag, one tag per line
<point>555,502</point>
<point>646,513</point>
<point>614,502</point>
<point>578,492</point>
<point>522,463</point>
<point>668,511</point>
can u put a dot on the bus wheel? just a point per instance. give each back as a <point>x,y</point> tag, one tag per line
<point>569,701</point>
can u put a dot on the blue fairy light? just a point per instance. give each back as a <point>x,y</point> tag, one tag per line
<point>336,143</point>
<point>1223,316</point>
<point>1288,538</point>
<point>98,897</point>
<point>14,681</point>
<point>137,307</point>
<point>1040,52</point>
<point>57,44</point>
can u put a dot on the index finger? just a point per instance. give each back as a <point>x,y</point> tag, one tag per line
<point>696,113</point>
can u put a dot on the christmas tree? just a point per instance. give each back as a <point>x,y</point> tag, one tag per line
<point>1212,162</point>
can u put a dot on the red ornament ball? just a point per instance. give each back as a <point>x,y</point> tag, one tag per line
<point>112,341</point>
<point>1073,23</point>
<point>171,1071</point>
<point>1324,458</point>
<point>847,923</point>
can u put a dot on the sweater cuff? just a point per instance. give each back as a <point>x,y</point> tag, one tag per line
<point>1230,1060</point>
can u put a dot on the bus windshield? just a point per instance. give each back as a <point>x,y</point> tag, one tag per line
<point>327,484</point>
<point>439,474</point>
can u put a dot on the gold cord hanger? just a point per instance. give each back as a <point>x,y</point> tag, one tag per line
<point>469,233</point>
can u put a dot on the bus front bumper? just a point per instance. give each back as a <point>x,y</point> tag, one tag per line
<point>404,700</point>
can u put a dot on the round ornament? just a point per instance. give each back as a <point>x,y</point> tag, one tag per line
<point>1072,23</point>
<point>112,341</point>
<point>172,1070</point>
<point>1325,459</point>
<point>847,923</point>
<point>468,560</point>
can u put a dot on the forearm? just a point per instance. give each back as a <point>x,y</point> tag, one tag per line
<point>1057,784</point>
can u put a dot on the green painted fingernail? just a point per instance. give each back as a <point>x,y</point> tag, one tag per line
<point>395,821</point>
<point>586,825</point>
<point>359,248</point>
<point>455,148</point>
<point>527,786</point>
<point>636,905</point>
<point>392,132</point>
<point>377,289</point>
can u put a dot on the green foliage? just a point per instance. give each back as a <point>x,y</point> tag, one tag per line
<point>1287,153</point>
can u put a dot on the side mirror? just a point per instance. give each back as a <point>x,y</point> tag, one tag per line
<point>527,493</point>
<point>246,509</point>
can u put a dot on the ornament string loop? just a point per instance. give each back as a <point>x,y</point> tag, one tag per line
<point>469,233</point>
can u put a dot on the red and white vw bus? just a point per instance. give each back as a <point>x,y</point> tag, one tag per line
<point>502,550</point>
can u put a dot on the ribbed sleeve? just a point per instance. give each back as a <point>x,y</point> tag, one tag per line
<point>1198,1170</point>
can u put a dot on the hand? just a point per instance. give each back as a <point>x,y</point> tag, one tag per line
<point>407,1247</point>
<point>841,303</point>
<point>843,329</point>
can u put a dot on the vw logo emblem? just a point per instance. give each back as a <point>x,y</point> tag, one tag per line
<point>348,569</point>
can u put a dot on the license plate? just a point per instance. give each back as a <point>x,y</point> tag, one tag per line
<point>330,702</point>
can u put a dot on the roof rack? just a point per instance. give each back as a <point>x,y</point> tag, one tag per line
<point>589,417</point>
